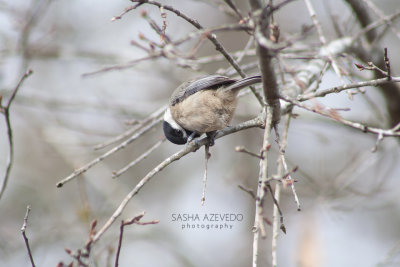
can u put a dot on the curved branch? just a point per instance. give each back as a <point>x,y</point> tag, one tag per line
<point>6,111</point>
<point>191,147</point>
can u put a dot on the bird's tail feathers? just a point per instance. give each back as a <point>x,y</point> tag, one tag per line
<point>242,83</point>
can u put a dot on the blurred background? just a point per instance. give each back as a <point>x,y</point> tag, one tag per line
<point>350,210</point>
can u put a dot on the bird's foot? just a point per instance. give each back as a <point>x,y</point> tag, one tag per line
<point>211,136</point>
<point>193,137</point>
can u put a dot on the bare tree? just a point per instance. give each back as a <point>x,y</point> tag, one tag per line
<point>292,66</point>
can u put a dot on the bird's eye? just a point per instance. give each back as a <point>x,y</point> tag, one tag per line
<point>178,133</point>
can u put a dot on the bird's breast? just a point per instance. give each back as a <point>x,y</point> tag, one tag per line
<point>205,111</point>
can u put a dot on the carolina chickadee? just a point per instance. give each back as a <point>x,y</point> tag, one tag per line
<point>204,105</point>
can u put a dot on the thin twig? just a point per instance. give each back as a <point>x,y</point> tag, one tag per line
<point>234,8</point>
<point>248,191</point>
<point>135,220</point>
<point>276,204</point>
<point>381,15</point>
<point>387,63</point>
<point>126,65</point>
<point>391,256</point>
<point>296,198</point>
<point>396,127</point>
<point>379,139</point>
<point>338,89</point>
<point>207,157</point>
<point>319,79</point>
<point>130,8</point>
<point>159,30</point>
<point>139,159</point>
<point>375,24</point>
<point>245,50</point>
<point>282,167</point>
<point>284,178</point>
<point>275,223</point>
<point>322,38</point>
<point>23,228</point>
<point>371,66</point>
<point>108,153</point>
<point>244,150</point>
<point>35,13</point>
<point>6,111</point>
<point>163,35</point>
<point>219,57</point>
<point>336,117</point>
<point>282,163</point>
<point>136,127</point>
<point>82,255</point>
<point>208,31</point>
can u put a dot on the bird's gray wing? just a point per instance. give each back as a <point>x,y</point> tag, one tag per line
<point>211,82</point>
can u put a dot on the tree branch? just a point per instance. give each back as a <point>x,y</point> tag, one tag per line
<point>270,86</point>
<point>110,152</point>
<point>23,229</point>
<point>6,111</point>
<point>134,220</point>
<point>390,91</point>
<point>333,115</point>
<point>258,228</point>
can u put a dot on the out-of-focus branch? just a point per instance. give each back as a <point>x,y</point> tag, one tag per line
<point>363,16</point>
<point>390,91</point>
<point>382,16</point>
<point>82,255</point>
<point>36,12</point>
<point>6,111</point>
<point>311,71</point>
<point>372,26</point>
<point>322,37</point>
<point>126,65</point>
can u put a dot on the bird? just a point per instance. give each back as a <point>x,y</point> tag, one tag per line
<point>203,105</point>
